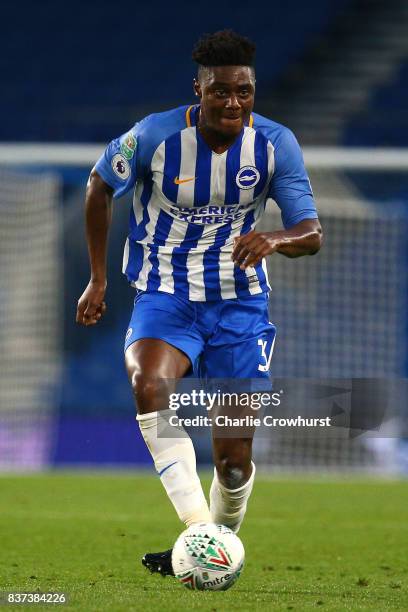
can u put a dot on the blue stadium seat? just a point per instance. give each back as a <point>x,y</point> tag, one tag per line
<point>97,58</point>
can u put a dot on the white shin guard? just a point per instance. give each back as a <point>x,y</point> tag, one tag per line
<point>175,462</point>
<point>228,506</point>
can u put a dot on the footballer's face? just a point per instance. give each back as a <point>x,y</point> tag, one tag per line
<point>227,98</point>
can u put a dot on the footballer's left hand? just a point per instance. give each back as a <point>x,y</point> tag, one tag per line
<point>250,248</point>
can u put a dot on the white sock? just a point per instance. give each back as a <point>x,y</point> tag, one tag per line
<point>228,506</point>
<point>175,461</point>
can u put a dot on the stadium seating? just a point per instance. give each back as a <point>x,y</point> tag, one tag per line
<point>88,74</point>
<point>384,121</point>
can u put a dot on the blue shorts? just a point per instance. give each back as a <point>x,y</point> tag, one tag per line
<point>223,339</point>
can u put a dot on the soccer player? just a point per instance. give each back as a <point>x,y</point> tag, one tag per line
<point>201,177</point>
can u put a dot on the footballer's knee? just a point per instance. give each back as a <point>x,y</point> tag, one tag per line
<point>150,393</point>
<point>153,367</point>
<point>231,476</point>
<point>234,468</point>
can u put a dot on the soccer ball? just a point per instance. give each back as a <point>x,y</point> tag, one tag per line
<point>208,557</point>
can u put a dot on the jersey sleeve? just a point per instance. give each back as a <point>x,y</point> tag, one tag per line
<point>118,164</point>
<point>290,185</point>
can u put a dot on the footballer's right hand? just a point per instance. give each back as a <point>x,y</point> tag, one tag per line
<point>91,306</point>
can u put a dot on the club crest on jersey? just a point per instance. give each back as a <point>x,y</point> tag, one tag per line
<point>120,166</point>
<point>247,177</point>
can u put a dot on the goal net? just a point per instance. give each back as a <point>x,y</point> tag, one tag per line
<point>30,315</point>
<point>340,315</point>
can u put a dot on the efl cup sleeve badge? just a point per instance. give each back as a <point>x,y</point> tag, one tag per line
<point>247,177</point>
<point>128,146</point>
<point>120,166</point>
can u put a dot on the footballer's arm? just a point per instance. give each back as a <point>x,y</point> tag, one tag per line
<point>304,238</point>
<point>98,215</point>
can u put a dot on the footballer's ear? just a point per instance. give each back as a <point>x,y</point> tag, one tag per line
<point>197,88</point>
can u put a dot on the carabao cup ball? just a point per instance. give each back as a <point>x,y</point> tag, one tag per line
<point>207,556</point>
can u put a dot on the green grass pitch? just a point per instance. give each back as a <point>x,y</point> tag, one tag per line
<point>310,544</point>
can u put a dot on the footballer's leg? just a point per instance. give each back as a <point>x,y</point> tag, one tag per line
<point>153,367</point>
<point>160,348</point>
<point>158,352</point>
<point>234,475</point>
<point>240,350</point>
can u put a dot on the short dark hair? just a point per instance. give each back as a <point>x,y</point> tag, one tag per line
<point>224,48</point>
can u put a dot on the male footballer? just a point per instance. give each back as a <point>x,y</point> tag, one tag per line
<point>201,176</point>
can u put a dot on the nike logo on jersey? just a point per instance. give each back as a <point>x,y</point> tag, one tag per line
<point>178,181</point>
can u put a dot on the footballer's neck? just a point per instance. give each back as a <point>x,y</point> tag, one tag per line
<point>219,142</point>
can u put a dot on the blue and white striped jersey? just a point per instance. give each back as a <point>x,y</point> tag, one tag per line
<point>190,203</point>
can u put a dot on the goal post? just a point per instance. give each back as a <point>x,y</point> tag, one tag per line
<point>31,284</point>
